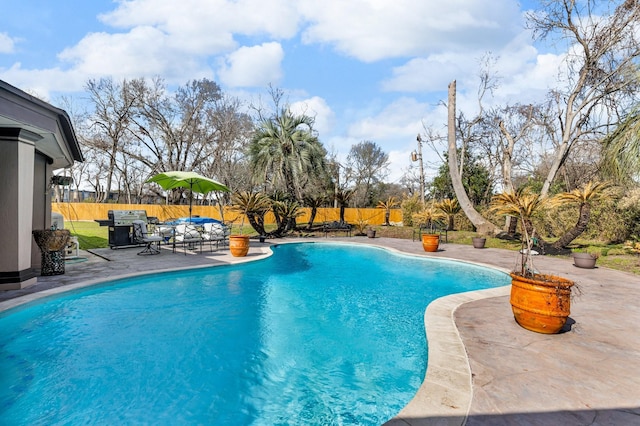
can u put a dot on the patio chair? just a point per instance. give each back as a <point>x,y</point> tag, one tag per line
<point>141,236</point>
<point>215,233</point>
<point>188,236</point>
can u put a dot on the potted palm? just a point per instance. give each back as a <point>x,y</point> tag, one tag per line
<point>239,242</point>
<point>539,302</point>
<point>427,218</point>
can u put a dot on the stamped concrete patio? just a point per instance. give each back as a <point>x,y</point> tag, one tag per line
<point>483,367</point>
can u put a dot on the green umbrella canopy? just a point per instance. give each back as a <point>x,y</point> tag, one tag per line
<point>190,180</point>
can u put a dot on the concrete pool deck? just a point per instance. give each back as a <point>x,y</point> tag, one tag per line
<point>483,367</point>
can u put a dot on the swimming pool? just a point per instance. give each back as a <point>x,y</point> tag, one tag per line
<point>316,334</point>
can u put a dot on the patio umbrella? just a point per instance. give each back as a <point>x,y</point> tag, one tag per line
<point>190,180</point>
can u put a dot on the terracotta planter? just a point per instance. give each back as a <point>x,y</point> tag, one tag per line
<point>479,242</point>
<point>430,242</point>
<point>584,260</point>
<point>541,304</point>
<point>239,245</point>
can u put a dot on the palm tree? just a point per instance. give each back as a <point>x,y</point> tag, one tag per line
<point>253,205</point>
<point>428,216</point>
<point>621,149</point>
<point>450,208</point>
<point>522,204</point>
<point>583,197</point>
<point>387,206</point>
<point>287,211</point>
<point>314,201</point>
<point>343,196</point>
<point>285,149</point>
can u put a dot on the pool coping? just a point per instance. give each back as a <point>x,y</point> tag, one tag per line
<point>446,391</point>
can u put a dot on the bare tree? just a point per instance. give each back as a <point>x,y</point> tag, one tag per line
<point>600,71</point>
<point>367,166</point>
<point>482,225</point>
<point>112,104</point>
<point>224,155</point>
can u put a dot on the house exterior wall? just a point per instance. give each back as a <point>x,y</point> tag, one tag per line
<point>35,139</point>
<point>17,151</point>
<point>41,203</point>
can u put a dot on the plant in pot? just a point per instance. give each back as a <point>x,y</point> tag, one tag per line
<point>539,302</point>
<point>427,219</point>
<point>361,227</point>
<point>239,242</point>
<point>478,242</point>
<point>371,233</point>
<point>585,260</point>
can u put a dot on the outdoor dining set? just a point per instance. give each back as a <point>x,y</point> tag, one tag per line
<point>185,234</point>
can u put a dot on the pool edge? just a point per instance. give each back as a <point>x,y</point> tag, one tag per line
<point>445,395</point>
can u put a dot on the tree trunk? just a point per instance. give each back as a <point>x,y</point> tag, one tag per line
<point>579,228</point>
<point>312,217</point>
<point>507,163</point>
<point>257,222</point>
<point>482,225</point>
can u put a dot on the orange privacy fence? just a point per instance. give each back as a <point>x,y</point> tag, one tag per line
<point>93,211</point>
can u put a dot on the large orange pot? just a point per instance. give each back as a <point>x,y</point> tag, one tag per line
<point>542,303</point>
<point>430,242</point>
<point>239,245</point>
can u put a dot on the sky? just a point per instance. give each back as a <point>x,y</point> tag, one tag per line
<point>367,70</point>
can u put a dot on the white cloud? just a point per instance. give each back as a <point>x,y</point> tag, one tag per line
<point>432,73</point>
<point>40,82</point>
<point>214,18</point>
<point>371,30</point>
<point>316,107</point>
<point>397,120</point>
<point>253,66</point>
<point>144,51</point>
<point>7,44</point>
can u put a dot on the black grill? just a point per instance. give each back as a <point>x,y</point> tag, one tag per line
<point>120,223</point>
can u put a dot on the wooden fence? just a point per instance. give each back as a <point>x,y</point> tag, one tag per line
<point>93,211</point>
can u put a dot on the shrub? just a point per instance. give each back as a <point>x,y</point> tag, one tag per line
<point>410,206</point>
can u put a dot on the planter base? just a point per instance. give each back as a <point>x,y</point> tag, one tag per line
<point>541,304</point>
<point>479,242</point>
<point>239,245</point>
<point>430,242</point>
<point>584,260</point>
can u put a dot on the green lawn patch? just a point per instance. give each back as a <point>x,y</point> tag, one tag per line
<point>90,234</point>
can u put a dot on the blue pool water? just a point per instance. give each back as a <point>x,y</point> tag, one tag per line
<point>317,334</point>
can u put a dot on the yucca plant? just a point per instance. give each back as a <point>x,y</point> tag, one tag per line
<point>253,206</point>
<point>387,206</point>
<point>522,204</point>
<point>427,217</point>
<point>450,208</point>
<point>583,197</point>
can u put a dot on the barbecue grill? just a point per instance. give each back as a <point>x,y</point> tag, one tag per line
<point>120,223</point>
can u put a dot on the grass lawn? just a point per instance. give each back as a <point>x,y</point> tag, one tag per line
<point>91,235</point>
